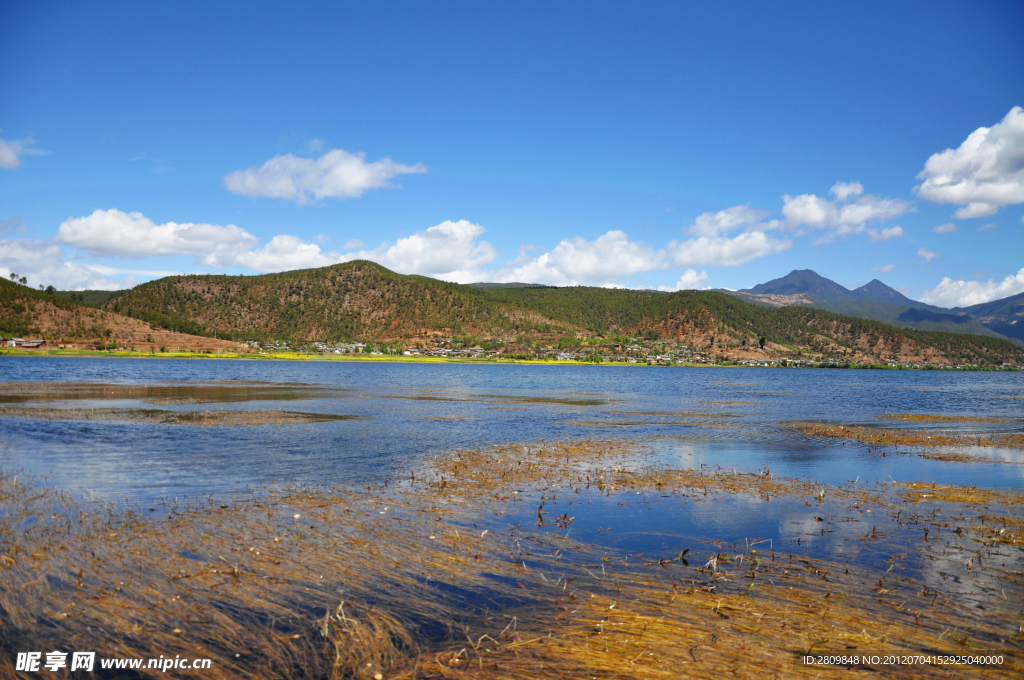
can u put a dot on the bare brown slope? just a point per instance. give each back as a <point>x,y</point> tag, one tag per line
<point>34,315</point>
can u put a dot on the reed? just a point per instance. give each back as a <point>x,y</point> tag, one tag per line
<point>440,576</point>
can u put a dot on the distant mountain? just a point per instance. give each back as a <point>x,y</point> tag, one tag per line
<point>803,282</point>
<point>1004,316</point>
<point>876,290</point>
<point>874,300</point>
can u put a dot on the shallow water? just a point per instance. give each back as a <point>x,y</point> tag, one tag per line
<point>122,442</point>
<point>733,418</point>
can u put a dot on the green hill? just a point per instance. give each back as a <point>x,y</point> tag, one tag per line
<point>364,301</point>
<point>93,298</point>
<point>355,300</point>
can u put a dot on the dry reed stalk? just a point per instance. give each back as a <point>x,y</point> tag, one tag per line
<point>402,582</point>
<point>206,418</point>
<point>934,418</point>
<point>912,438</point>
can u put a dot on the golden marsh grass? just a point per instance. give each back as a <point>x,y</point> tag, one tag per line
<point>425,579</point>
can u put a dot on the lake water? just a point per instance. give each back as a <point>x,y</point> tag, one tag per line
<point>735,419</point>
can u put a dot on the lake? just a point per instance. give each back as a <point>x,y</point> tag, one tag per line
<point>733,418</point>
<point>189,458</point>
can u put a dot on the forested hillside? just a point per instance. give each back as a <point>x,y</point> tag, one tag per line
<point>364,301</point>
<point>355,300</point>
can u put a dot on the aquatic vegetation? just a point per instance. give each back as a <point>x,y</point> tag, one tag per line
<point>932,418</point>
<point>919,438</point>
<point>215,417</point>
<point>446,573</point>
<point>186,392</point>
<point>643,423</point>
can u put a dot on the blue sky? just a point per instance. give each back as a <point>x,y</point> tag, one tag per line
<point>633,144</point>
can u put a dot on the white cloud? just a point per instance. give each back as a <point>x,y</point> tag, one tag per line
<point>113,232</point>
<point>927,255</point>
<point>885,234</point>
<point>982,174</point>
<point>976,209</point>
<point>690,280</point>
<point>945,228</point>
<point>711,244</point>
<point>451,251</point>
<point>577,261</point>
<point>841,216</point>
<point>988,227</point>
<point>120,271</point>
<point>845,190</point>
<point>315,145</point>
<point>960,293</point>
<point>11,151</point>
<point>282,253</point>
<point>336,174</point>
<point>723,251</point>
<point>886,268</point>
<point>42,263</point>
<point>715,224</point>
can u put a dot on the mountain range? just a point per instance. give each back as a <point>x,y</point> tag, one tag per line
<point>878,302</point>
<point>800,316</point>
<point>363,301</point>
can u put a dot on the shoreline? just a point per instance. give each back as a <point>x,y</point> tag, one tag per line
<point>438,360</point>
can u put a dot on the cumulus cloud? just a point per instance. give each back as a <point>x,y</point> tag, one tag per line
<point>945,228</point>
<point>927,255</point>
<point>960,293</point>
<point>848,213</point>
<point>724,221</point>
<point>724,251</point>
<point>43,263</point>
<point>282,253</point>
<point>982,174</point>
<point>612,256</point>
<point>12,150</point>
<point>885,234</point>
<point>712,245</point>
<point>690,280</point>
<point>113,232</point>
<point>844,190</point>
<point>451,251</point>
<point>336,174</point>
<point>885,268</point>
<point>577,261</point>
<point>976,209</point>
